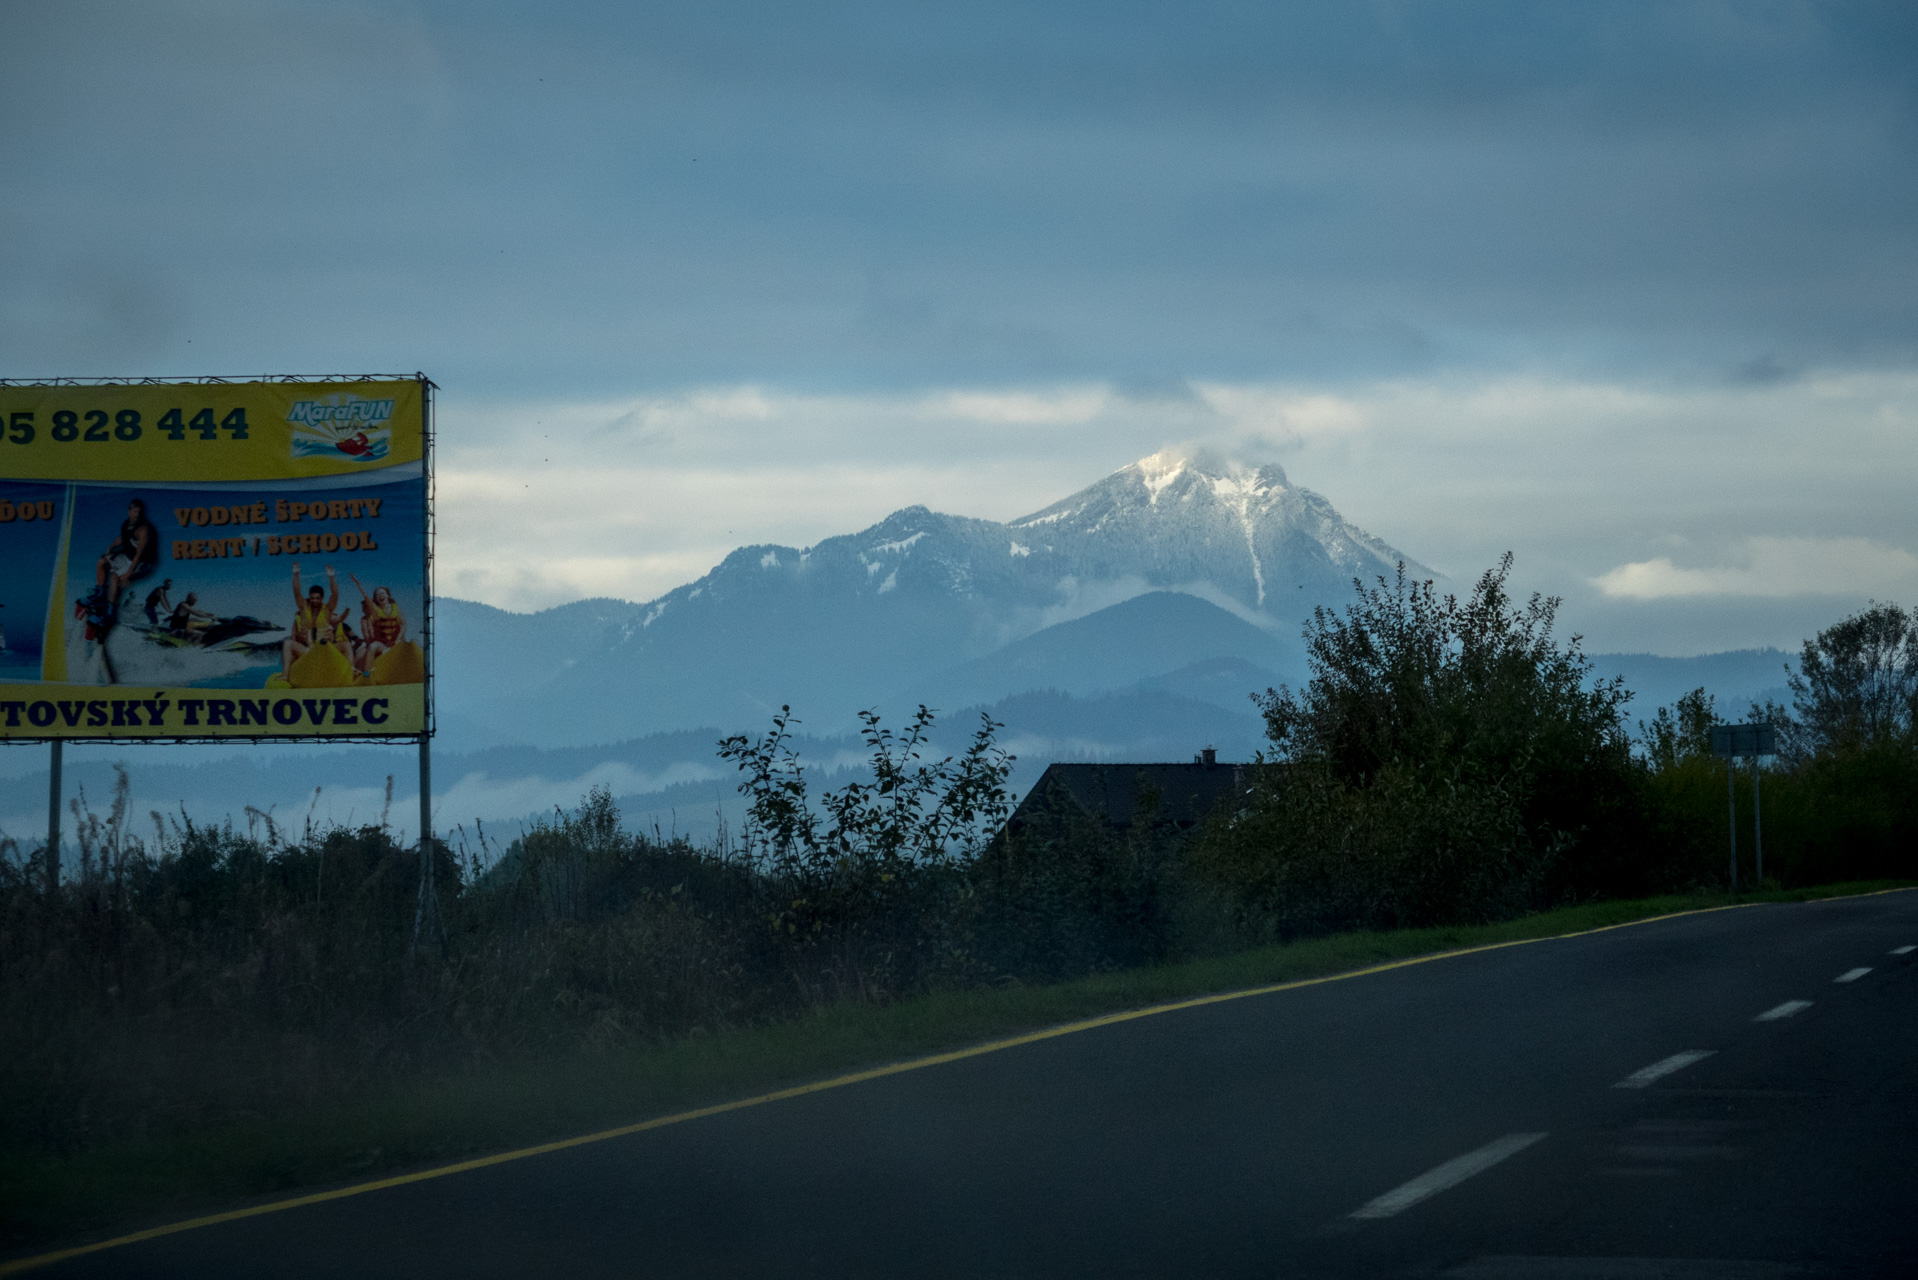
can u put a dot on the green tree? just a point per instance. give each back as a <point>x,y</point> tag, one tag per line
<point>1857,685</point>
<point>1680,732</point>
<point>1448,759</point>
<point>913,812</point>
<point>1478,687</point>
<point>869,885</point>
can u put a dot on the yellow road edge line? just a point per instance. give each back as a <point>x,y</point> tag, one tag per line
<point>836,1082</point>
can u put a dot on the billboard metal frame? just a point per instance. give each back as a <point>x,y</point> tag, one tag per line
<point>214,381</point>
<point>426,913</point>
<point>428,387</point>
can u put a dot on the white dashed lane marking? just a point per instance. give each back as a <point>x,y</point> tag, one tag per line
<point>1852,975</point>
<point>1784,1010</point>
<point>1663,1067</point>
<point>1902,951</point>
<point>1447,1175</point>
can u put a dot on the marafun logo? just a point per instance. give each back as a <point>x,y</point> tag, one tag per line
<point>341,426</point>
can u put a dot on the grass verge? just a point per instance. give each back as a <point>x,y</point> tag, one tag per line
<point>516,1105</point>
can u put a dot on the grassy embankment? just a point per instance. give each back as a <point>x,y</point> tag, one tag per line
<point>486,1110</point>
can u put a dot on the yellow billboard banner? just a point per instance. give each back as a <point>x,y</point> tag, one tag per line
<point>209,431</point>
<point>214,560</point>
<point>88,711</point>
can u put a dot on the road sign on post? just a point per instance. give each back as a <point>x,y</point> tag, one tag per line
<point>1744,740</point>
<point>1732,741</point>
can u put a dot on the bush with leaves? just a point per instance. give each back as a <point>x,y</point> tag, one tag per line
<point>868,883</point>
<point>1841,801</point>
<point>1680,732</point>
<point>1449,760</point>
<point>200,974</point>
<point>1068,893</point>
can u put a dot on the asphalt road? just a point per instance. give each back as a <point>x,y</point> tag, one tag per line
<point>1531,1111</point>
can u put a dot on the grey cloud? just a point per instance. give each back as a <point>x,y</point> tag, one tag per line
<point>609,198</point>
<point>1764,371</point>
<point>75,310</point>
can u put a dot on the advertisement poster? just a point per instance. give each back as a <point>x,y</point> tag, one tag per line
<point>191,560</point>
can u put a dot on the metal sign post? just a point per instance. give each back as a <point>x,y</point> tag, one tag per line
<point>1731,811</point>
<point>1732,741</point>
<point>426,914</point>
<point>426,910</point>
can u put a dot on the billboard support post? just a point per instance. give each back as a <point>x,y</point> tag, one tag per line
<point>53,820</point>
<point>426,914</point>
<point>429,899</point>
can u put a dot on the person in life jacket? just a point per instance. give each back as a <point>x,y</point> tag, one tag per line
<point>316,620</point>
<point>382,625</point>
<point>132,554</point>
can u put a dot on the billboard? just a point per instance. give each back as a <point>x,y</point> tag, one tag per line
<point>215,559</point>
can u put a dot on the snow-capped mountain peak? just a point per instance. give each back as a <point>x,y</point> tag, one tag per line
<point>1191,516</point>
<point>920,592</point>
<point>1161,470</point>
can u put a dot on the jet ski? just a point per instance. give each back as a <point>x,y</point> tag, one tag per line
<point>220,633</point>
<point>233,628</point>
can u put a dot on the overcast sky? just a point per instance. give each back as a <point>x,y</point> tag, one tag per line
<point>1631,289</point>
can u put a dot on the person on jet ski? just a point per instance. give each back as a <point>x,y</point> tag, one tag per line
<point>186,619</point>
<point>158,600</point>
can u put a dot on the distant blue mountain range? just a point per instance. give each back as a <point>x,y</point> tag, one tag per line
<point>1737,678</point>
<point>1142,639</point>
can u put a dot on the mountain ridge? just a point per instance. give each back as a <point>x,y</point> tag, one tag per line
<point>857,615</point>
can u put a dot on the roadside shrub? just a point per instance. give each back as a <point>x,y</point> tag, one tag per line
<point>1073,895</point>
<point>1312,853</point>
<point>1449,760</point>
<point>1841,798</point>
<point>868,889</point>
<point>200,975</point>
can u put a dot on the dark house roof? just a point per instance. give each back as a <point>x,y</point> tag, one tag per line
<point>1185,793</point>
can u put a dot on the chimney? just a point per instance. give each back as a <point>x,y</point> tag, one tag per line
<point>1209,757</point>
